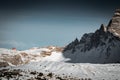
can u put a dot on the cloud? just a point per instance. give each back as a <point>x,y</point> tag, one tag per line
<point>12,43</point>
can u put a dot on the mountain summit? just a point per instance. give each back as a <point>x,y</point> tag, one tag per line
<point>102,46</point>
<point>114,24</point>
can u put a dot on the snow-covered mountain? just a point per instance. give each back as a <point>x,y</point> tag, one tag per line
<point>102,46</point>
<point>16,57</point>
<point>51,70</point>
<point>49,63</point>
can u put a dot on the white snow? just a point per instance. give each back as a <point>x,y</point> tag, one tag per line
<point>56,56</point>
<point>74,70</point>
<point>56,64</point>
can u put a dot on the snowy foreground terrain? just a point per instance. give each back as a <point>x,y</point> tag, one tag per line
<point>49,64</point>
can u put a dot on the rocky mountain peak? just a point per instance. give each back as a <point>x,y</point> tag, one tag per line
<point>103,28</point>
<point>114,24</point>
<point>117,13</point>
<point>102,46</point>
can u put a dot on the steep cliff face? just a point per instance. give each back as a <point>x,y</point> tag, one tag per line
<point>102,46</point>
<point>114,24</point>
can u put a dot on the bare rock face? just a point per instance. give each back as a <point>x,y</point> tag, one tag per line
<point>114,24</point>
<point>103,28</point>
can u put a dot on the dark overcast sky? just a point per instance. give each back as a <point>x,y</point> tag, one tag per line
<point>28,23</point>
<point>98,5</point>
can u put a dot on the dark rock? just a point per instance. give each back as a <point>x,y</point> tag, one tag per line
<point>106,37</point>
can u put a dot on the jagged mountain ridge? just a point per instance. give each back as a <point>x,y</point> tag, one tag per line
<point>114,24</point>
<point>102,46</point>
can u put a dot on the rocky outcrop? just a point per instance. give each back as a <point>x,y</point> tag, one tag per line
<point>104,41</point>
<point>72,45</point>
<point>114,24</point>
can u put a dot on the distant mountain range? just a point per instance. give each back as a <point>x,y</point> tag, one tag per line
<point>102,46</point>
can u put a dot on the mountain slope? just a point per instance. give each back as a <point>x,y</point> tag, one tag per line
<point>102,46</point>
<point>50,70</point>
<point>15,57</point>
